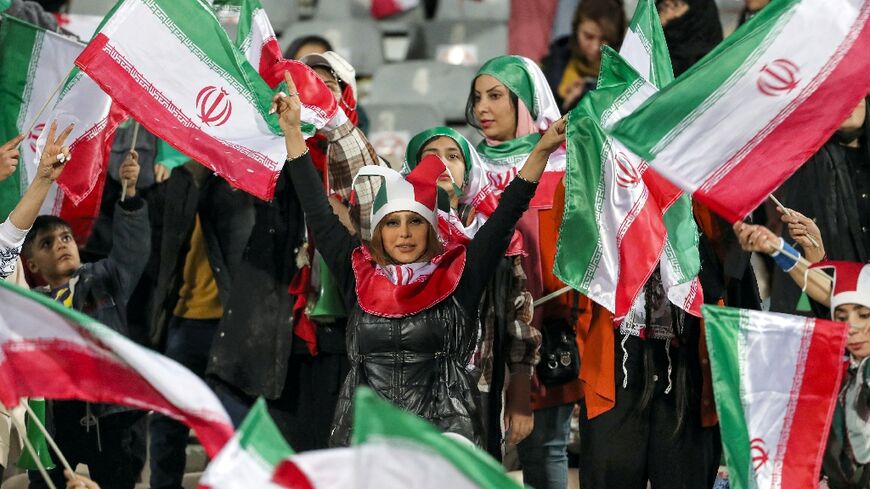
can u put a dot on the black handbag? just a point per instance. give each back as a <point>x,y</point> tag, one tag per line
<point>560,358</point>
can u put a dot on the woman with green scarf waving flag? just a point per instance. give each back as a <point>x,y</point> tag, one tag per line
<point>511,103</point>
<point>506,307</point>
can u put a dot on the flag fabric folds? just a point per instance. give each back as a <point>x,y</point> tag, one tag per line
<point>48,350</point>
<point>622,220</point>
<point>173,68</point>
<point>250,457</point>
<point>36,71</point>
<point>775,380</point>
<point>747,115</point>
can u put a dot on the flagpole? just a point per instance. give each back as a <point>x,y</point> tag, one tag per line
<point>136,126</point>
<point>48,437</point>
<point>33,453</point>
<point>552,295</point>
<point>47,101</point>
<point>789,212</point>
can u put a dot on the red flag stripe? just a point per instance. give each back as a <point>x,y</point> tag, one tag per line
<point>241,169</point>
<point>63,370</point>
<point>769,164</point>
<point>815,406</point>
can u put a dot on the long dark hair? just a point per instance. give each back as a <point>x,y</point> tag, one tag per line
<point>471,119</point>
<point>381,257</point>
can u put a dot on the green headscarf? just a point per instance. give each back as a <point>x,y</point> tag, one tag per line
<point>415,146</point>
<point>513,72</point>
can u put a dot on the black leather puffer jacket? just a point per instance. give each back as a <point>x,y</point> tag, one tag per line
<point>418,363</point>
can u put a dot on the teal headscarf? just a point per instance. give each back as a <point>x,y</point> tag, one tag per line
<point>513,73</point>
<point>419,141</point>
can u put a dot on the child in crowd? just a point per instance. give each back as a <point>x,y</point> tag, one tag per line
<point>109,439</point>
<point>846,462</point>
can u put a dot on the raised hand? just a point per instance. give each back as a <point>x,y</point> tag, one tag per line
<point>55,155</point>
<point>129,172</point>
<point>289,109</point>
<point>753,237</point>
<point>9,157</point>
<point>805,231</point>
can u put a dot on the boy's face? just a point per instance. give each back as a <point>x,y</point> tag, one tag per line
<point>54,255</point>
<point>858,317</point>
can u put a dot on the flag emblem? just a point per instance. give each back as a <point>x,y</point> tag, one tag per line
<point>214,106</point>
<point>778,77</point>
<point>34,136</point>
<point>627,176</point>
<point>501,180</point>
<point>760,457</point>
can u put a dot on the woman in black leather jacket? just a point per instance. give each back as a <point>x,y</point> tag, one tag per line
<point>413,299</point>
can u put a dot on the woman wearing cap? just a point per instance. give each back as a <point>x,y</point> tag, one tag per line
<point>507,337</point>
<point>413,299</point>
<point>846,461</point>
<point>511,103</point>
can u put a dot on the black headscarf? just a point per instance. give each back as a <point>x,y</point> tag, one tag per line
<point>693,35</point>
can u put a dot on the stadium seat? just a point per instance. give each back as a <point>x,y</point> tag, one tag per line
<point>461,41</point>
<point>92,7</point>
<point>491,10</point>
<point>282,13</point>
<point>358,40</point>
<point>341,9</point>
<point>442,85</point>
<point>391,125</point>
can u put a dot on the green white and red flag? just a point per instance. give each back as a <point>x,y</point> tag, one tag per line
<point>386,8</point>
<point>48,350</point>
<point>33,64</point>
<point>775,380</point>
<point>615,230</point>
<point>256,40</point>
<point>392,448</point>
<point>745,117</point>
<point>173,68</point>
<point>250,457</point>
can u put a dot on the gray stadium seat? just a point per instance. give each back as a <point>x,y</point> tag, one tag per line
<point>441,85</point>
<point>358,40</point>
<point>282,13</point>
<point>486,39</point>
<point>92,7</point>
<point>491,10</point>
<point>391,125</point>
<point>341,9</point>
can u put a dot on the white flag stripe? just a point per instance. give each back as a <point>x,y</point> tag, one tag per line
<point>244,125</point>
<point>692,162</point>
<point>770,351</point>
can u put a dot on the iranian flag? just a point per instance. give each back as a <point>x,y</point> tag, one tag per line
<point>250,457</point>
<point>257,42</point>
<point>745,117</point>
<point>172,67</point>
<point>615,229</point>
<point>386,8</point>
<point>34,64</point>
<point>393,448</point>
<point>775,380</point>
<point>48,350</point>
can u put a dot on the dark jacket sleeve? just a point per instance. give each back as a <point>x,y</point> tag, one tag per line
<point>331,238</point>
<point>490,243</point>
<point>131,247</point>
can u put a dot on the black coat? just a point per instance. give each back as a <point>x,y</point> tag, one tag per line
<point>826,188</point>
<point>254,339</point>
<point>226,216</point>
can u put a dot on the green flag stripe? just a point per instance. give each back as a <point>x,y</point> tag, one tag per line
<point>17,40</point>
<point>723,332</point>
<point>705,79</point>
<point>377,420</point>
<point>259,433</point>
<point>578,250</point>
